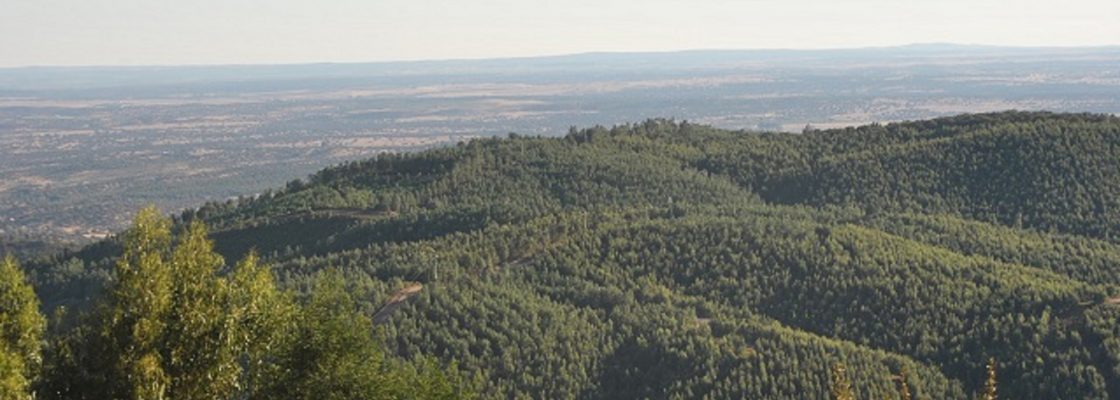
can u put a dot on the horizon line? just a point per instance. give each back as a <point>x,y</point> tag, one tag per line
<point>562,55</point>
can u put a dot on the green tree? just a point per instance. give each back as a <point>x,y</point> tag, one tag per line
<point>335,356</point>
<point>137,311</point>
<point>427,380</point>
<point>265,318</point>
<point>21,333</point>
<point>167,327</point>
<point>200,342</point>
<point>174,325</point>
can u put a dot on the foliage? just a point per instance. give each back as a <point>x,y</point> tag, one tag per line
<point>21,333</point>
<point>176,325</point>
<point>671,260</point>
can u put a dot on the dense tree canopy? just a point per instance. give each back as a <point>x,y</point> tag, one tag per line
<point>655,260</point>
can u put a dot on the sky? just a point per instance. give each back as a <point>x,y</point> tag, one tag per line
<point>178,32</point>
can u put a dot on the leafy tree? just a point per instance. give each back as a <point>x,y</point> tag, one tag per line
<point>264,322</point>
<point>137,310</point>
<point>199,346</point>
<point>176,325</point>
<point>21,333</point>
<point>335,356</point>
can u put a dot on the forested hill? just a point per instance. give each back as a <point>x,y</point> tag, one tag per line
<point>671,260</point>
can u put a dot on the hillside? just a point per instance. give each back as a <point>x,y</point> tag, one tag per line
<point>672,260</point>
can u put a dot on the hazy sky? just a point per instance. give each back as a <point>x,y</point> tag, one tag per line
<point>116,32</point>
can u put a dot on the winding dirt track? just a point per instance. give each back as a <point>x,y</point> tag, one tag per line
<point>395,301</point>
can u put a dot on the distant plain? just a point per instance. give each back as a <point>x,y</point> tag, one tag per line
<point>81,148</point>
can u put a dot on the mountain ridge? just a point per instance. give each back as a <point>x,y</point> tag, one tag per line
<point>666,259</point>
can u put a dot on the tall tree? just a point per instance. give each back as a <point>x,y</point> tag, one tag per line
<point>175,325</point>
<point>137,310</point>
<point>168,327</point>
<point>265,318</point>
<point>199,343</point>
<point>21,333</point>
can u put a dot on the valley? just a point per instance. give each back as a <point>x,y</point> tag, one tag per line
<point>82,148</point>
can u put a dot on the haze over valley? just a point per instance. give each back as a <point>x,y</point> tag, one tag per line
<point>83,147</point>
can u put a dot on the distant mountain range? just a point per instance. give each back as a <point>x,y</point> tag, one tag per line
<point>70,78</point>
